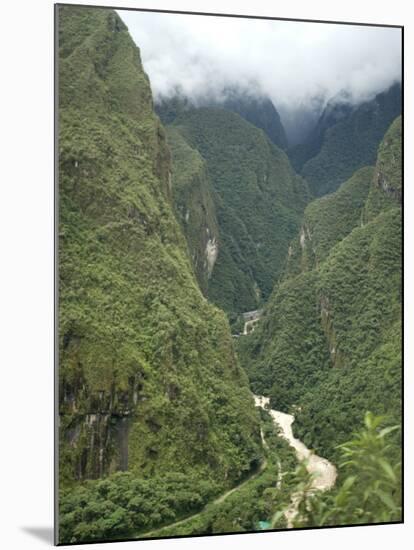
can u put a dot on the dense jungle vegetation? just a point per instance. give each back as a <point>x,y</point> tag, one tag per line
<point>167,233</point>
<point>148,377</point>
<point>258,203</point>
<point>334,320</point>
<point>368,489</point>
<point>350,143</point>
<point>252,106</point>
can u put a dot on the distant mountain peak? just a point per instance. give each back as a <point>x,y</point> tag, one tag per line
<point>250,103</point>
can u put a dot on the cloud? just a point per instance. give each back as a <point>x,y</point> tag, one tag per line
<point>291,62</point>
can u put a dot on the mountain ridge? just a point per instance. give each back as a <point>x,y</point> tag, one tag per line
<point>136,334</point>
<point>351,142</point>
<point>256,108</point>
<point>258,199</point>
<point>334,320</point>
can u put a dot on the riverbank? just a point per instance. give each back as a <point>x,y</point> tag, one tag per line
<point>284,498</point>
<point>322,471</point>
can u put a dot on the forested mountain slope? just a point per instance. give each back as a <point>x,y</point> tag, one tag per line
<point>258,203</point>
<point>159,226</point>
<point>194,204</point>
<point>148,379</point>
<point>336,109</point>
<point>259,111</point>
<point>330,340</point>
<point>327,221</point>
<point>345,140</point>
<point>254,107</point>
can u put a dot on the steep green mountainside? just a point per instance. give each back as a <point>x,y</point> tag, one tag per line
<point>260,112</point>
<point>148,379</point>
<point>327,221</point>
<point>258,200</point>
<point>194,204</point>
<point>159,226</point>
<point>336,109</point>
<point>330,339</point>
<point>170,107</point>
<point>387,187</point>
<point>348,144</point>
<point>255,108</point>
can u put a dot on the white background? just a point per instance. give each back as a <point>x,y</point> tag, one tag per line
<point>26,289</point>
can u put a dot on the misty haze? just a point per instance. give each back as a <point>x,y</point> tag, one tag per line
<point>299,66</point>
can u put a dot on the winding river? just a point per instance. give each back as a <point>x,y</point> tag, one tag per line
<point>323,472</point>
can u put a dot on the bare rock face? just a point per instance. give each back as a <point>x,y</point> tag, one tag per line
<point>212,250</point>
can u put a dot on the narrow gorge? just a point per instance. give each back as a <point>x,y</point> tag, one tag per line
<point>229,305</point>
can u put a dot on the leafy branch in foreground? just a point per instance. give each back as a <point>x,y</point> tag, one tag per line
<point>369,489</point>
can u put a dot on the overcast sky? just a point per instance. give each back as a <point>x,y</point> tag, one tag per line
<point>290,61</point>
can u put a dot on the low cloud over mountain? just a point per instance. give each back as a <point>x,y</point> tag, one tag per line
<point>291,62</point>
